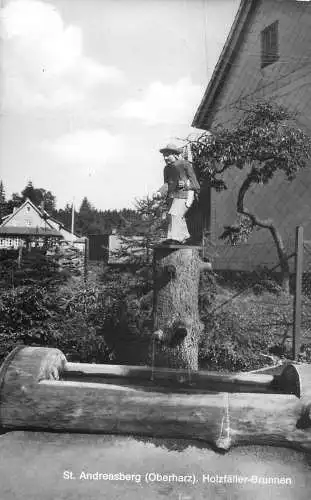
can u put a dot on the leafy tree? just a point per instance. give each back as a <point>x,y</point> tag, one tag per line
<point>3,204</point>
<point>142,231</point>
<point>64,215</point>
<point>89,220</point>
<point>86,220</point>
<point>39,197</point>
<point>265,142</point>
<point>48,201</point>
<point>86,207</point>
<point>14,202</point>
<point>2,193</point>
<point>68,319</point>
<point>115,219</point>
<point>30,192</point>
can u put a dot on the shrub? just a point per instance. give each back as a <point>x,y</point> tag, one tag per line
<point>305,353</point>
<point>89,323</point>
<point>24,314</point>
<point>128,305</point>
<point>207,294</point>
<point>37,267</point>
<point>111,320</point>
<point>231,343</point>
<point>67,319</point>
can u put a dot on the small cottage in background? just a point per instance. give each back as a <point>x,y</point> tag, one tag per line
<point>30,228</point>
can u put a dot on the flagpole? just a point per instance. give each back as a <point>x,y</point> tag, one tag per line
<point>73,218</point>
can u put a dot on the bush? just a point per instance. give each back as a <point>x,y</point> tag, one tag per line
<point>66,319</point>
<point>207,294</point>
<point>267,285</point>
<point>88,323</point>
<point>24,315</point>
<point>231,343</point>
<point>128,298</point>
<point>37,267</point>
<point>305,353</point>
<point>111,320</point>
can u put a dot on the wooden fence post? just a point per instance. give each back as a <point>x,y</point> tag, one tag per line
<point>86,258</point>
<point>298,287</point>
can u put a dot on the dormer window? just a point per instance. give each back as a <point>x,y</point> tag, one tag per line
<point>270,44</point>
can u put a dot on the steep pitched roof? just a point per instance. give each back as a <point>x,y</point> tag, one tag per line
<point>224,62</point>
<point>203,117</point>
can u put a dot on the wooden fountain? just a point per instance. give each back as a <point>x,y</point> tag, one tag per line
<point>41,390</point>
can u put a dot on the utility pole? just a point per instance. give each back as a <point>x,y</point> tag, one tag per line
<point>73,218</point>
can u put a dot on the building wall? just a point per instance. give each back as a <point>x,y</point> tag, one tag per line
<point>287,82</point>
<point>287,78</point>
<point>10,242</point>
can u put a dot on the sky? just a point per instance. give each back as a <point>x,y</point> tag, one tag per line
<point>91,90</point>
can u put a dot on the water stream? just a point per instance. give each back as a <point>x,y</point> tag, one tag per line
<point>153,358</point>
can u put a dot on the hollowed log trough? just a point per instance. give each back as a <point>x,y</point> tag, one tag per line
<point>40,390</point>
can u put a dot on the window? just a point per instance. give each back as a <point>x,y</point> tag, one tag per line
<point>270,44</point>
<point>28,222</point>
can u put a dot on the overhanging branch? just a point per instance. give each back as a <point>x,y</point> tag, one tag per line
<point>264,223</point>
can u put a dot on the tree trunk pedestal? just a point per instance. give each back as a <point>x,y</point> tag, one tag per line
<point>177,325</point>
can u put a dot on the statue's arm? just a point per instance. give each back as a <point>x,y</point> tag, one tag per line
<point>164,188</point>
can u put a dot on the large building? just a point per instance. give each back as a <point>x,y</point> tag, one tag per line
<point>266,56</point>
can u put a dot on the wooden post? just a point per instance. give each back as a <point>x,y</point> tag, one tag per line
<point>298,287</point>
<point>20,255</point>
<point>86,258</point>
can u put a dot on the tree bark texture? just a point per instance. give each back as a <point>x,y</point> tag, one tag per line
<point>176,313</point>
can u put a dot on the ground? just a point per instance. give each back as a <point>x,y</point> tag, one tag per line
<point>45,466</point>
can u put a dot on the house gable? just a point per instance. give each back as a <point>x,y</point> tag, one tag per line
<point>239,75</point>
<point>27,215</point>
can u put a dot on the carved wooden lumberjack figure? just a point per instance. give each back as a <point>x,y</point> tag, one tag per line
<point>177,327</point>
<point>180,186</point>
